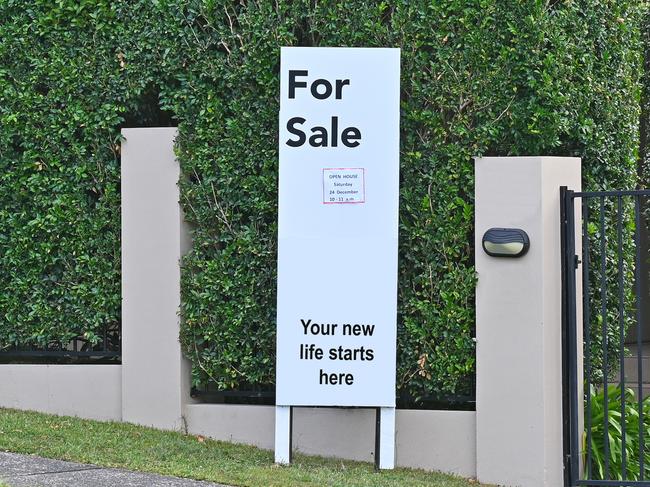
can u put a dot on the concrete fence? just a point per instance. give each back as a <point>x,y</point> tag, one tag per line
<point>515,436</point>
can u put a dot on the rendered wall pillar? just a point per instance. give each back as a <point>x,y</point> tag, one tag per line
<point>155,376</point>
<point>519,322</point>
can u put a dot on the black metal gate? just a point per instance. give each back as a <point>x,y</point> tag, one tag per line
<point>607,392</point>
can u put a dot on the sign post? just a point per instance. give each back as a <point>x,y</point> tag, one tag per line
<point>337,235</point>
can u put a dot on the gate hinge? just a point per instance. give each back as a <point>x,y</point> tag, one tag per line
<point>576,261</point>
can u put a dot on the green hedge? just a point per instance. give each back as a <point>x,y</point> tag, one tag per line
<point>479,77</point>
<point>492,78</point>
<point>60,111</point>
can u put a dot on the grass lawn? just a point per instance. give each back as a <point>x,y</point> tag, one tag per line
<point>169,453</point>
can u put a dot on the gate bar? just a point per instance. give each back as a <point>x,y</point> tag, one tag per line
<point>569,280</point>
<point>605,341</point>
<point>586,317</point>
<point>629,192</point>
<point>639,332</point>
<point>621,321</point>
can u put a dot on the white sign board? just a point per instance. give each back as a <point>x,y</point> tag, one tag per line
<point>337,235</point>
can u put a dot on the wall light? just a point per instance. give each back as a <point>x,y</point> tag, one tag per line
<point>505,242</point>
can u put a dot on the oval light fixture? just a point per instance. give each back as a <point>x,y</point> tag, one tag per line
<point>505,242</point>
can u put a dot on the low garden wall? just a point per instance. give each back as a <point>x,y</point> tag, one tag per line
<point>86,391</point>
<point>433,440</point>
<point>513,438</point>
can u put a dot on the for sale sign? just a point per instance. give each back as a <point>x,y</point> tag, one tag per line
<point>337,235</point>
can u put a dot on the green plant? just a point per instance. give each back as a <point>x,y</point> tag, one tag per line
<point>479,77</point>
<point>60,112</point>
<point>623,413</point>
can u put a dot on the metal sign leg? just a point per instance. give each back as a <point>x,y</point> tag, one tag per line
<point>385,441</point>
<point>283,420</point>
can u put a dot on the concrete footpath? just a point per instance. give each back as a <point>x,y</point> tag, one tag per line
<point>18,470</point>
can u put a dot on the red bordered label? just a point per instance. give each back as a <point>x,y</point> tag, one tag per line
<point>344,185</point>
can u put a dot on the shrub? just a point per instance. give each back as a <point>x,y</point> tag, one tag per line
<point>609,460</point>
<point>60,113</point>
<point>479,77</point>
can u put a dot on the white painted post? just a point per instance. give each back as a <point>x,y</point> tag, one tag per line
<point>283,434</point>
<point>155,376</point>
<point>519,322</point>
<point>387,439</point>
